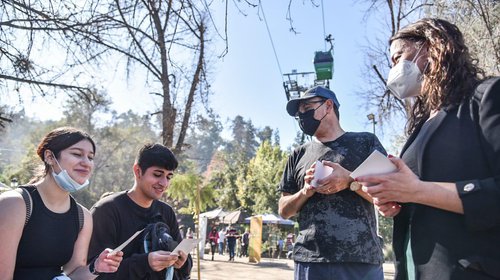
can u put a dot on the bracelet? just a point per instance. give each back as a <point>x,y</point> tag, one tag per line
<point>92,269</point>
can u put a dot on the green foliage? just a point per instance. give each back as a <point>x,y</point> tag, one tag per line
<point>228,168</point>
<point>385,229</point>
<point>243,145</point>
<point>204,139</point>
<point>224,182</point>
<point>185,187</point>
<point>265,134</point>
<point>258,191</point>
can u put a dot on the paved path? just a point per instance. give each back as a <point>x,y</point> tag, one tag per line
<point>268,269</point>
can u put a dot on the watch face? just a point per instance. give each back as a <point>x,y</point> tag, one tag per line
<point>354,186</point>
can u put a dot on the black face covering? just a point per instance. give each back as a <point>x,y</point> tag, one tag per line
<point>307,123</point>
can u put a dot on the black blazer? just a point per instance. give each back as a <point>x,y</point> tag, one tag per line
<point>461,145</point>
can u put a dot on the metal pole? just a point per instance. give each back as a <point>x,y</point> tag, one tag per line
<point>198,231</point>
<point>371,117</point>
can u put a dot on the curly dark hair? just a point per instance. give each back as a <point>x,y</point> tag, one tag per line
<point>451,75</point>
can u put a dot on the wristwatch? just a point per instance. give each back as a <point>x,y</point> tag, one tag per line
<point>354,186</point>
<point>92,269</point>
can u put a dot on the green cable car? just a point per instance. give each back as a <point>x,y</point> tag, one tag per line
<point>323,62</point>
<point>323,65</point>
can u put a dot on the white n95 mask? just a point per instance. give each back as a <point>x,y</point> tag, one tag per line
<point>405,80</point>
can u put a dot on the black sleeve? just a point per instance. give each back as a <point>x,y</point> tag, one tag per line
<point>106,235</point>
<point>288,183</point>
<point>482,202</point>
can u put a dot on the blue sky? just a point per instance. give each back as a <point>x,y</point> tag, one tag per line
<point>248,82</point>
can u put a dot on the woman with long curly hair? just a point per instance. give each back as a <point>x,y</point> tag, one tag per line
<point>445,194</point>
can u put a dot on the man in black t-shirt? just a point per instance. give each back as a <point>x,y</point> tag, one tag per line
<point>119,216</point>
<point>338,237</point>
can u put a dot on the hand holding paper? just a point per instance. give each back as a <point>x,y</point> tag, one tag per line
<point>383,193</point>
<point>119,248</point>
<point>375,164</point>
<point>186,246</point>
<point>320,171</point>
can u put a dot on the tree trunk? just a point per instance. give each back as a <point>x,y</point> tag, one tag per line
<point>192,91</point>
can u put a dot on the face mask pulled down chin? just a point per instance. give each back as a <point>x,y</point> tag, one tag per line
<point>405,80</point>
<point>307,123</point>
<point>66,182</point>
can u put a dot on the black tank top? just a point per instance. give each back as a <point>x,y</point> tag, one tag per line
<point>47,241</point>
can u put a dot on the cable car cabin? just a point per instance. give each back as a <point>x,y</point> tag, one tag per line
<point>323,65</point>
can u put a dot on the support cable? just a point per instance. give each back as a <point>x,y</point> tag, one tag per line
<point>323,17</point>
<point>271,39</point>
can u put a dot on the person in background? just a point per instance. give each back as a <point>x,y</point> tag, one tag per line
<point>448,176</point>
<point>120,215</point>
<point>231,237</point>
<point>182,231</point>
<point>53,238</point>
<point>213,237</point>
<point>222,239</point>
<point>245,241</point>
<point>280,247</point>
<point>238,245</point>
<point>338,233</point>
<point>189,233</point>
<point>290,239</point>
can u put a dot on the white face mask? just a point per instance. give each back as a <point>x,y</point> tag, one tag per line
<point>405,79</point>
<point>65,181</point>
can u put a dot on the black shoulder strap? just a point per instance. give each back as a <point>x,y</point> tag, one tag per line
<point>29,203</point>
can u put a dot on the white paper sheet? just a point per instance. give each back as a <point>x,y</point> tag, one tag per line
<point>119,248</point>
<point>186,246</point>
<point>320,171</point>
<point>375,164</point>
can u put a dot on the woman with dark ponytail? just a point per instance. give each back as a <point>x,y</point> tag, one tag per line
<point>44,232</point>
